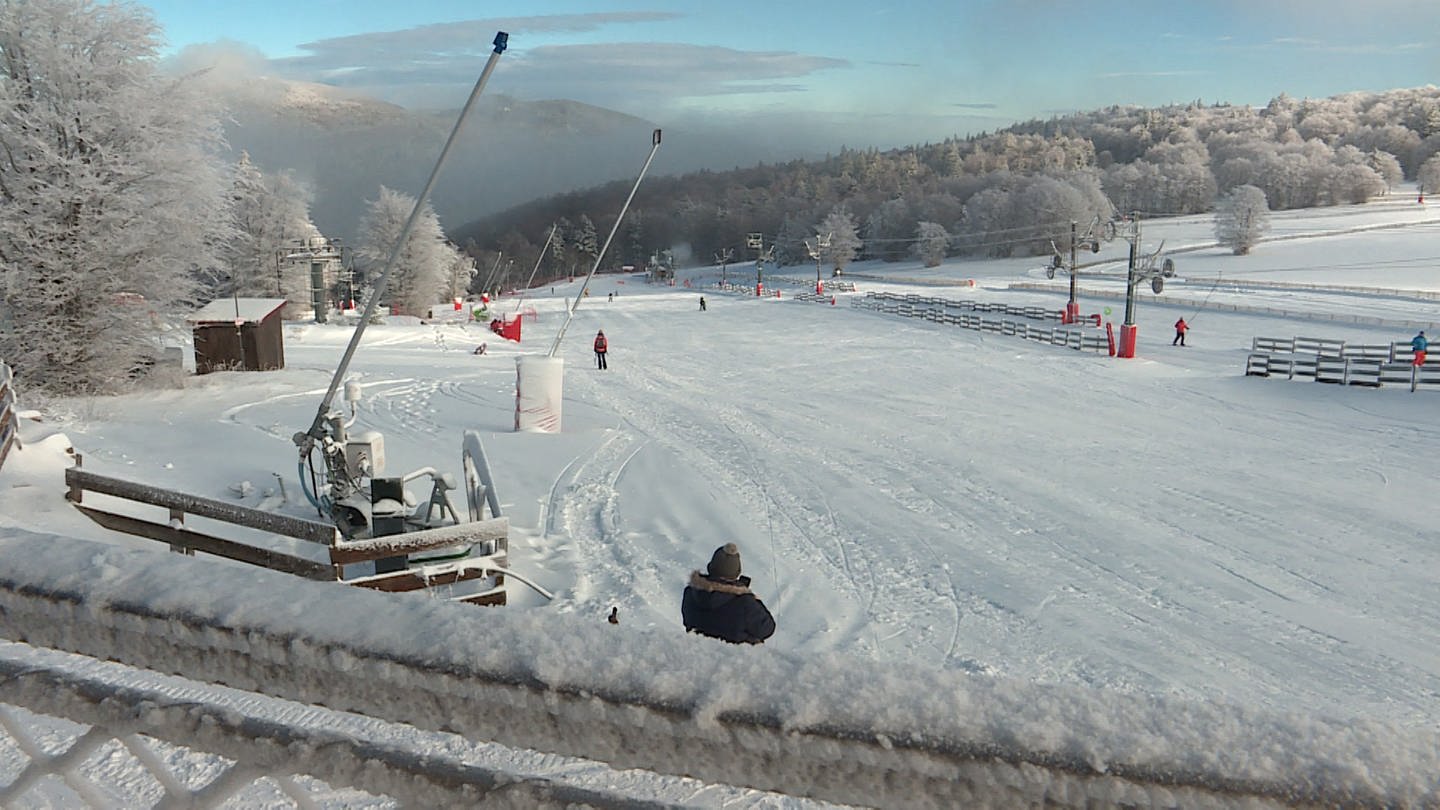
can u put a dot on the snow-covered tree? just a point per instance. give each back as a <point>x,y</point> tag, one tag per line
<point>1241,218</point>
<point>462,272</point>
<point>418,279</point>
<point>270,213</point>
<point>1429,176</point>
<point>888,230</point>
<point>844,235</point>
<point>586,242</point>
<point>1387,166</point>
<point>112,193</point>
<point>560,246</point>
<point>931,242</point>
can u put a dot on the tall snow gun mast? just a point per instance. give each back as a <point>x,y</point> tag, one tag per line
<point>349,461</point>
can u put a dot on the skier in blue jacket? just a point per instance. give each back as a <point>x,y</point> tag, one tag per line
<point>719,603</point>
<point>1419,344</point>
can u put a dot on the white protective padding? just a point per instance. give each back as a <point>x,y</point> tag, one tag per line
<point>539,388</point>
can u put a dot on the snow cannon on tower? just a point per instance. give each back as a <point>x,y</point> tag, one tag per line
<point>380,522</point>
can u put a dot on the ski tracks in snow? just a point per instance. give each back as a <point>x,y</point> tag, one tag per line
<point>583,508</point>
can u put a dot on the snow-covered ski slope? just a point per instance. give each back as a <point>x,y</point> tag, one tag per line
<point>908,495</point>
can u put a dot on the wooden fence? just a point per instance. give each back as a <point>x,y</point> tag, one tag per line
<point>1338,362</point>
<point>487,539</point>
<point>971,315</point>
<point>9,430</point>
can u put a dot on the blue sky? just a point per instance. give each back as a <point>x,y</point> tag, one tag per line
<point>869,73</point>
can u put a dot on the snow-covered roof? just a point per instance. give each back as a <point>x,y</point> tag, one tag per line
<point>228,310</point>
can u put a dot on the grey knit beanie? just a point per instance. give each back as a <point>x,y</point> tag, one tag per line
<point>725,563</point>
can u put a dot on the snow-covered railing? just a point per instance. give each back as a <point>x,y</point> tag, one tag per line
<point>249,738</point>
<point>9,431</point>
<point>675,704</point>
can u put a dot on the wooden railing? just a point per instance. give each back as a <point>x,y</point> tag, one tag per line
<point>1336,361</point>
<point>9,431</point>
<point>487,539</point>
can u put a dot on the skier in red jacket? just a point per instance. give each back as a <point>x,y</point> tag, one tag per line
<point>601,346</point>
<point>1180,329</point>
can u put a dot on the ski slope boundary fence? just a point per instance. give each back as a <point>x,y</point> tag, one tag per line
<point>1372,365</point>
<point>9,431</point>
<point>690,710</point>
<point>966,314</point>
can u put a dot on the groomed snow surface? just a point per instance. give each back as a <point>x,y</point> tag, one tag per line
<point>1022,525</point>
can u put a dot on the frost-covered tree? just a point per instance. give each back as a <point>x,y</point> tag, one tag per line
<point>586,242</point>
<point>1387,166</point>
<point>888,230</point>
<point>1429,176</point>
<point>844,235</point>
<point>113,194</point>
<point>931,242</point>
<point>270,213</point>
<point>418,279</point>
<point>1241,218</point>
<point>462,272</point>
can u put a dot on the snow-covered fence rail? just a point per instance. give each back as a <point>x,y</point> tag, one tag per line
<point>9,431</point>
<point>491,536</point>
<point>667,703</point>
<point>262,738</point>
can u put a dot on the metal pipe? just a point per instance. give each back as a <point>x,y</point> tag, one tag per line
<point>570,313</point>
<point>536,269</point>
<point>308,439</point>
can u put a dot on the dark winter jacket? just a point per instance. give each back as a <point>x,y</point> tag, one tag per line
<point>725,609</point>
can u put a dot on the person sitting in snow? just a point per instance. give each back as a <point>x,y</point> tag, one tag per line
<point>719,603</point>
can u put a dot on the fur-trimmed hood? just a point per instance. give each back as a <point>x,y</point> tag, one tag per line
<point>700,582</point>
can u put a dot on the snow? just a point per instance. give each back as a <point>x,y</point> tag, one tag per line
<point>1152,561</point>
<point>236,310</point>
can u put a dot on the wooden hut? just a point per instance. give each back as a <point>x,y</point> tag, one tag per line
<point>239,334</point>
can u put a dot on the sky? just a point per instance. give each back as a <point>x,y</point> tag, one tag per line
<point>845,71</point>
<point>1157,561</point>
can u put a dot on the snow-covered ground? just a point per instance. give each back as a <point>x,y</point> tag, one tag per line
<point>910,495</point>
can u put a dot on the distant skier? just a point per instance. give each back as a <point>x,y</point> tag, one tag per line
<point>1180,329</point>
<point>601,346</point>
<point>610,297</point>
<point>1419,344</point>
<point>702,303</point>
<point>719,603</point>
<point>614,617</point>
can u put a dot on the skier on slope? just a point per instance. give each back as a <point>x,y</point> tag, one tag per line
<point>601,346</point>
<point>719,603</point>
<point>1180,329</point>
<point>1419,344</point>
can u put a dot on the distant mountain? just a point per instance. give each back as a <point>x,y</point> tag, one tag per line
<point>509,152</point>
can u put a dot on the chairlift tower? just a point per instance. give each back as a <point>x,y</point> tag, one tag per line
<point>817,252</point>
<point>722,258</point>
<point>1141,268</point>
<point>756,242</point>
<point>1097,232</point>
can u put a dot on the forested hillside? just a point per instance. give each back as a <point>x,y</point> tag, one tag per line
<point>1010,192</point>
